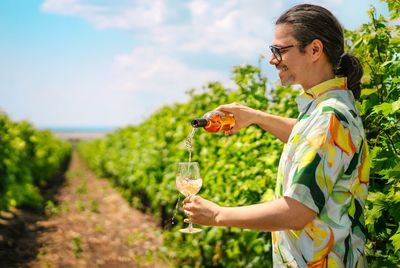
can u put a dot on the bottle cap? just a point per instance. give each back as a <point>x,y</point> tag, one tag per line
<point>199,122</point>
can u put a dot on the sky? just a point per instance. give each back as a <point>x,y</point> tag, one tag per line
<point>99,63</point>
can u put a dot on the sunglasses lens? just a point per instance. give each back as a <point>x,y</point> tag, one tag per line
<point>276,53</point>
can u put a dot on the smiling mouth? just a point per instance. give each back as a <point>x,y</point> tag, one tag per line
<point>282,69</point>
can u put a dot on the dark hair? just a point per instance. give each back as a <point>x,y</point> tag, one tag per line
<point>312,22</point>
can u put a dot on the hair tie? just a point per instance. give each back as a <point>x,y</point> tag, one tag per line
<point>344,54</point>
<point>341,64</point>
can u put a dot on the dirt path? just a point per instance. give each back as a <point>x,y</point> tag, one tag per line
<point>89,224</point>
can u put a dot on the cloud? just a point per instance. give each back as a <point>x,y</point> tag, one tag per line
<point>235,28</point>
<point>238,28</point>
<point>156,79</point>
<point>139,14</point>
<point>146,70</point>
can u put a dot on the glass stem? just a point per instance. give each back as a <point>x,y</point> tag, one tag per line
<point>191,224</point>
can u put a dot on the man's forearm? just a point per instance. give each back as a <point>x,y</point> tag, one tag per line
<point>279,126</point>
<point>280,214</point>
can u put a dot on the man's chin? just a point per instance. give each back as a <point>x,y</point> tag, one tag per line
<point>285,82</point>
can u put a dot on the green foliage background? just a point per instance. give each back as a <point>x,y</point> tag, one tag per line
<point>241,169</point>
<point>29,159</point>
<point>377,44</point>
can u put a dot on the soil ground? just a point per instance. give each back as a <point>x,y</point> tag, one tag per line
<point>86,223</point>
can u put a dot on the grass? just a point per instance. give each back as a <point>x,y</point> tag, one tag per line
<point>135,237</point>
<point>74,173</point>
<point>51,208</point>
<point>80,206</point>
<point>77,246</point>
<point>82,188</point>
<point>94,206</point>
<point>99,227</point>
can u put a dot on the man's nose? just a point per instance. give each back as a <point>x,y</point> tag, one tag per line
<point>273,60</point>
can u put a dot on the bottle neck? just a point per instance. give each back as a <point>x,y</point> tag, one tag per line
<point>199,122</point>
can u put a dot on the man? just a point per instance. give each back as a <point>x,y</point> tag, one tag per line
<point>317,217</point>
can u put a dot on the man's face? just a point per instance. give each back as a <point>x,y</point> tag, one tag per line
<point>292,67</point>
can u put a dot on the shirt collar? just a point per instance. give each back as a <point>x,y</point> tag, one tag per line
<point>335,83</point>
<point>304,99</point>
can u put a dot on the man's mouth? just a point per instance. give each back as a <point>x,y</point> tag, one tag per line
<point>282,68</point>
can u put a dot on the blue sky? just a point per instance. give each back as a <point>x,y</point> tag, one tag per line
<point>86,63</point>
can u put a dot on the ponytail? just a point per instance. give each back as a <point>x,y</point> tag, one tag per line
<point>350,67</point>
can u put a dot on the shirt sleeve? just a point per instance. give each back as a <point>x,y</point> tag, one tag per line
<point>320,159</point>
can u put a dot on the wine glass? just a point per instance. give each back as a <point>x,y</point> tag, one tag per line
<point>188,182</point>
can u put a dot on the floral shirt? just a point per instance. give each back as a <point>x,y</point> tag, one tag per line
<point>325,166</point>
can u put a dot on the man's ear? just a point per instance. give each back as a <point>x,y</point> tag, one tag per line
<point>316,49</point>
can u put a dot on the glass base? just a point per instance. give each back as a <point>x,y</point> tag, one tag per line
<point>189,230</point>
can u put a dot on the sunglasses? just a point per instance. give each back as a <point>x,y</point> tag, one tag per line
<point>277,51</point>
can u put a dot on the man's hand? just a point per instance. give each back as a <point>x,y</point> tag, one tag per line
<point>200,210</point>
<point>244,116</point>
<point>280,127</point>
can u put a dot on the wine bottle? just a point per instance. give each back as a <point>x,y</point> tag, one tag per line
<point>215,121</point>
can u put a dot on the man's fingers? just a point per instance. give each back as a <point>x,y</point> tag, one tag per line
<point>187,220</point>
<point>188,199</point>
<point>227,107</point>
<point>189,205</point>
<point>232,131</point>
<point>228,133</point>
<point>222,107</point>
<point>188,213</point>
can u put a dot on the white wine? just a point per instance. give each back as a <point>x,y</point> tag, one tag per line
<point>189,145</point>
<point>187,186</point>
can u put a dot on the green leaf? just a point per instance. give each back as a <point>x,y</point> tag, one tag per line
<point>396,240</point>
<point>395,40</point>
<point>357,43</point>
<point>387,108</point>
<point>396,106</point>
<point>367,91</point>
